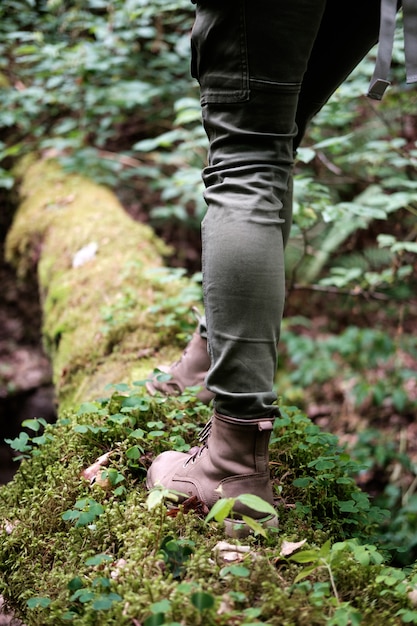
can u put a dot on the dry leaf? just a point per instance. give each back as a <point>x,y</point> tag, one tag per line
<point>85,254</point>
<point>91,473</point>
<point>9,527</point>
<point>191,504</point>
<point>288,547</point>
<point>412,596</point>
<point>229,553</point>
<point>226,605</point>
<point>119,565</point>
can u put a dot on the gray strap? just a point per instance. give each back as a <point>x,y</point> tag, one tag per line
<point>410,39</point>
<point>379,81</point>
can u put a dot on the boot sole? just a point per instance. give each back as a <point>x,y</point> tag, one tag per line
<point>239,529</point>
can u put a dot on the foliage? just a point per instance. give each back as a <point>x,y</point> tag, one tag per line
<point>115,558</point>
<point>368,364</point>
<point>83,77</point>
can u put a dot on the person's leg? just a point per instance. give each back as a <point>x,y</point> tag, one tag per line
<point>190,370</point>
<point>249,106</point>
<point>248,176</point>
<point>334,55</point>
<point>250,61</point>
<point>347,33</point>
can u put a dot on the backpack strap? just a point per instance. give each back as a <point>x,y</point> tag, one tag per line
<point>379,81</point>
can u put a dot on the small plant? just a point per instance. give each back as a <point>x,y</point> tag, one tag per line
<point>26,445</point>
<point>370,366</point>
<point>175,313</point>
<point>223,509</point>
<point>323,477</point>
<point>94,593</point>
<point>176,553</point>
<point>84,512</point>
<point>97,594</point>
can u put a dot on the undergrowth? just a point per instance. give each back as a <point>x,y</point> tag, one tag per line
<point>82,542</point>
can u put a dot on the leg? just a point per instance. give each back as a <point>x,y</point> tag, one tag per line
<point>251,63</point>
<point>347,33</point>
<point>249,106</point>
<point>334,55</point>
<point>249,114</point>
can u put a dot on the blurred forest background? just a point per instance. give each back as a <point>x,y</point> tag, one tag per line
<point>105,88</point>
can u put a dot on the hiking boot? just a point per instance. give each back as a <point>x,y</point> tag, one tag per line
<point>231,462</point>
<point>189,371</point>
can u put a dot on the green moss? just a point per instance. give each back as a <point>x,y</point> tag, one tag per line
<point>137,567</point>
<point>4,81</point>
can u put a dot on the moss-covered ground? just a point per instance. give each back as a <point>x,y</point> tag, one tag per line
<point>81,541</point>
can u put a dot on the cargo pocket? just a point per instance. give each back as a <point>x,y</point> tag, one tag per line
<point>219,51</point>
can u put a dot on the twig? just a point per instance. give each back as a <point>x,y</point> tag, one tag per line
<point>342,292</point>
<point>124,159</point>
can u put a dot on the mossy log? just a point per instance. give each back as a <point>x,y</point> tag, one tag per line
<point>81,540</point>
<point>97,280</point>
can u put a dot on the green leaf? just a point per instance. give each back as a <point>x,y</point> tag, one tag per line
<point>81,428</point>
<point>32,424</point>
<point>122,387</point>
<point>348,506</point>
<point>38,602</point>
<point>82,595</point>
<point>137,434</point>
<point>221,509</point>
<point>85,518</point>
<point>96,508</point>
<point>202,600</point>
<point>135,402</point>
<point>324,551</point>
<point>75,584</point>
<point>155,498</point>
<point>161,607</point>
<point>105,601</point>
<point>306,571</point>
<point>70,515</point>
<point>88,407</point>
<point>69,616</point>
<point>119,418</point>
<point>133,453</point>
<point>256,503</point>
<point>302,482</point>
<point>407,616</point>
<point>156,619</point>
<point>113,475</point>
<point>306,556</point>
<point>98,559</point>
<point>240,571</point>
<point>21,443</point>
<point>255,525</point>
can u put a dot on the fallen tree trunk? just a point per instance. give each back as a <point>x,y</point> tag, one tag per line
<point>97,281</point>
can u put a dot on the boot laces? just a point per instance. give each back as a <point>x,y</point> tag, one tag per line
<point>204,433</point>
<point>203,437</point>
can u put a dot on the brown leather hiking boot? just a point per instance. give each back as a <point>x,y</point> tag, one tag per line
<point>189,371</point>
<point>232,462</point>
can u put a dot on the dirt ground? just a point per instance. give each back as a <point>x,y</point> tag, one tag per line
<point>25,374</point>
<point>8,620</point>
